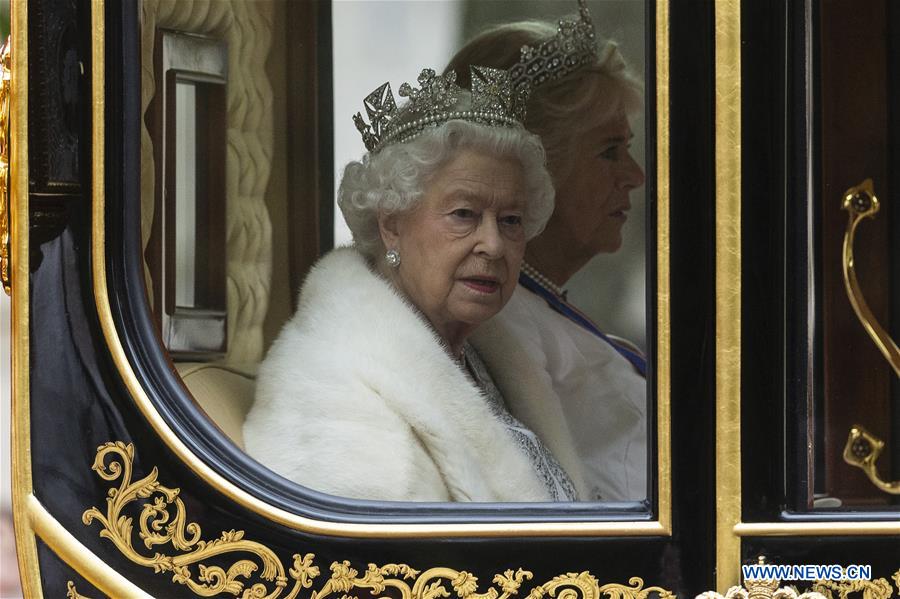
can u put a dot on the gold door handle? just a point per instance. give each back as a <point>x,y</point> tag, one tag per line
<point>5,79</point>
<point>862,450</point>
<point>860,202</point>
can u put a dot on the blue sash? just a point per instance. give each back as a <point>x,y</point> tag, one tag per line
<point>572,313</point>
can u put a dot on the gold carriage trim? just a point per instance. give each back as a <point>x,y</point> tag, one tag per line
<point>758,589</point>
<point>879,588</point>
<point>761,589</point>
<point>163,521</point>
<point>870,589</point>
<point>72,592</point>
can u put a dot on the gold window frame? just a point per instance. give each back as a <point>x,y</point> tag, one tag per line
<point>661,526</point>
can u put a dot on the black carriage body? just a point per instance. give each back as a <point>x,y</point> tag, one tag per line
<point>81,406</point>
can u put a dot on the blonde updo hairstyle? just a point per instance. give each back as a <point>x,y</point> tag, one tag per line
<point>558,111</point>
<point>393,179</point>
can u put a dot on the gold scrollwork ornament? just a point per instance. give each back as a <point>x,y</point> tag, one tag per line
<point>870,589</point>
<point>159,526</point>
<point>761,589</point>
<point>72,592</point>
<point>821,589</point>
<point>163,521</point>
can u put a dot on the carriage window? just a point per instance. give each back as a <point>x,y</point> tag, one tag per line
<point>483,383</point>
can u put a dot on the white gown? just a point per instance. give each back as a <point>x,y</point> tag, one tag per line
<point>603,397</point>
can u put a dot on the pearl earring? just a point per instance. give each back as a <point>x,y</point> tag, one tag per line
<point>393,258</point>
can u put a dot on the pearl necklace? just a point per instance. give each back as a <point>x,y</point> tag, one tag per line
<point>542,280</point>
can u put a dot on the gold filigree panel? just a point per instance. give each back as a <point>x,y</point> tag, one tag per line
<point>869,589</point>
<point>170,544</point>
<point>256,572</point>
<point>761,589</point>
<point>72,592</point>
<point>879,588</point>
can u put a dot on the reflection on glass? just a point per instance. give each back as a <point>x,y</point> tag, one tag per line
<point>598,381</point>
<point>185,192</point>
<point>185,246</point>
<point>602,407</point>
<point>857,395</point>
<point>611,288</point>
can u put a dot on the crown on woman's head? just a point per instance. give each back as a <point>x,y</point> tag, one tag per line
<point>573,46</point>
<point>495,102</point>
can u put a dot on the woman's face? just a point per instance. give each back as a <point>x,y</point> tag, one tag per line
<point>592,200</point>
<point>461,247</point>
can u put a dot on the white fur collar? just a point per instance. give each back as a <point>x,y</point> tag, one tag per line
<point>357,362</point>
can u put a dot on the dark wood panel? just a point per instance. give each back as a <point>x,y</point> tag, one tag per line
<point>854,146</point>
<point>764,31</point>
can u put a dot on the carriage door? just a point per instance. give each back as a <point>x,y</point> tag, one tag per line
<point>816,390</point>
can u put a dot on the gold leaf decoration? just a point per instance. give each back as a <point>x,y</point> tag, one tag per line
<point>258,573</point>
<point>72,592</point>
<point>870,589</point>
<point>510,581</point>
<point>163,521</point>
<point>879,588</point>
<point>761,589</point>
<point>635,591</point>
<point>572,585</point>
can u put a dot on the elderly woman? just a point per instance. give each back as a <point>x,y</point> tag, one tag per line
<point>371,390</point>
<point>580,105</point>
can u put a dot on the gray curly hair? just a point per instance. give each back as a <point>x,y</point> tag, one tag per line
<point>393,180</point>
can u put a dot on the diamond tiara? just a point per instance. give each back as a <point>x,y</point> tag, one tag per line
<point>573,46</point>
<point>495,102</point>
